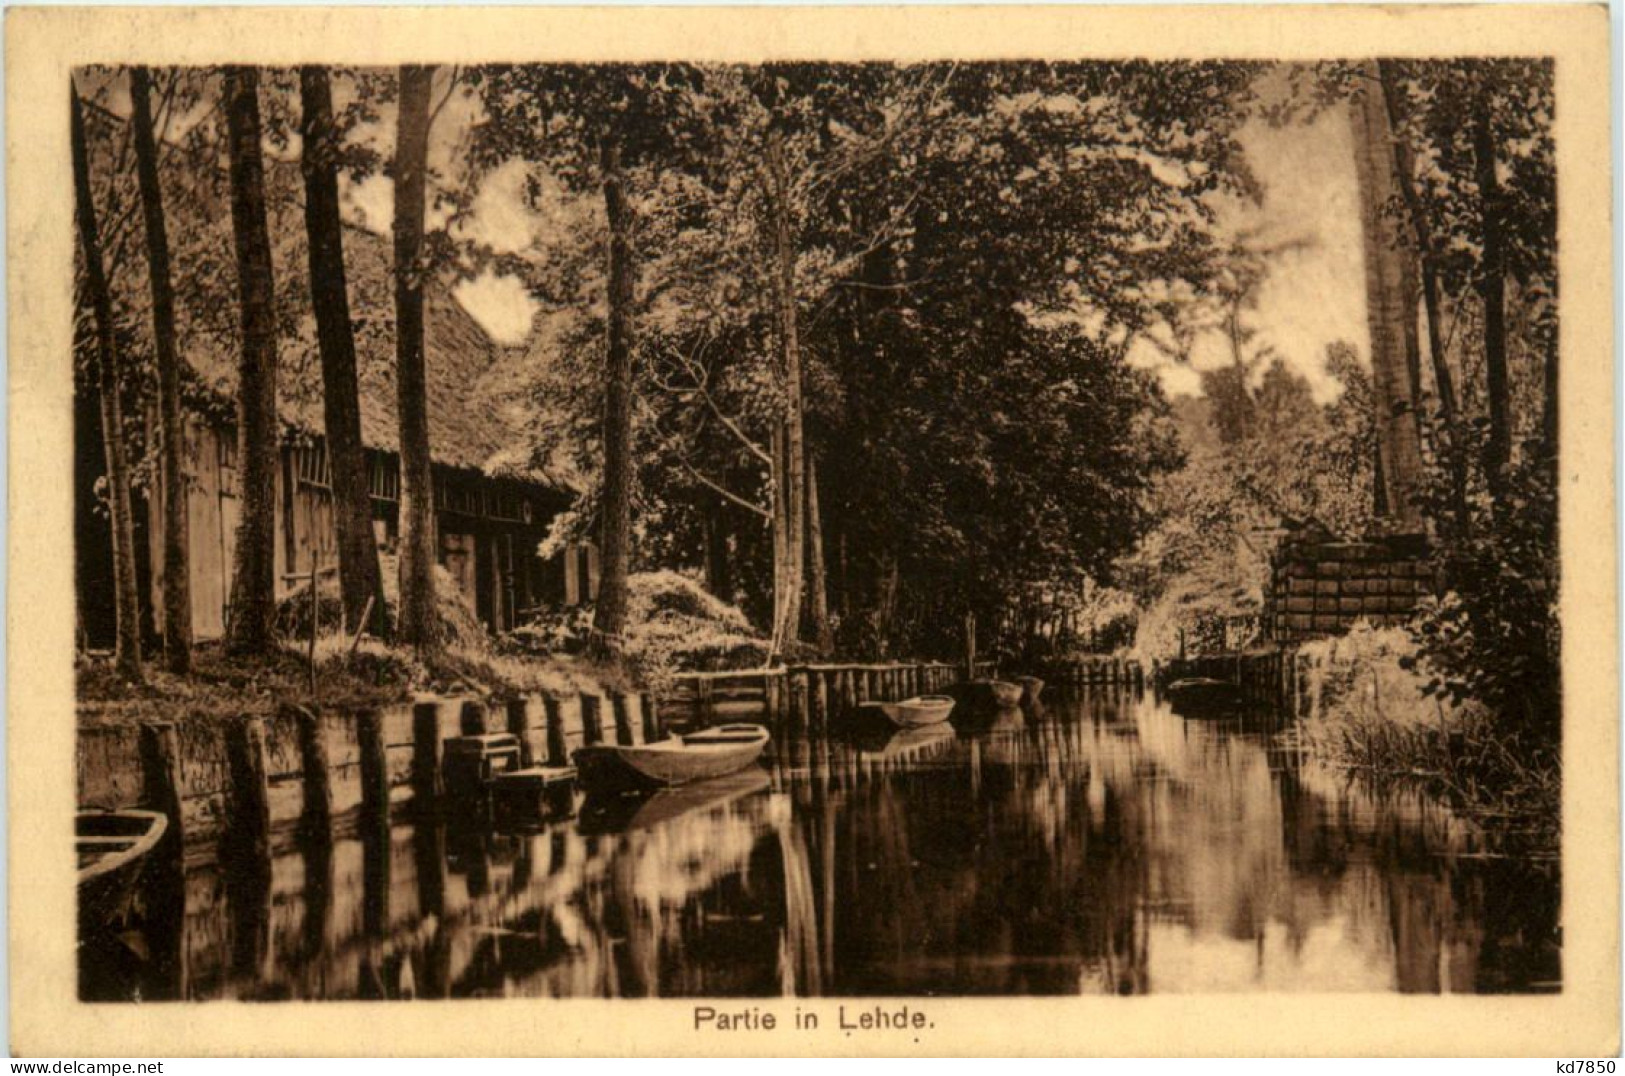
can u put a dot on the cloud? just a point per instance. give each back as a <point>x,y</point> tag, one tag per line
<point>501,305</point>
<point>1314,294</point>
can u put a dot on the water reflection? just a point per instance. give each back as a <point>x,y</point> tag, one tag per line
<point>1103,845</point>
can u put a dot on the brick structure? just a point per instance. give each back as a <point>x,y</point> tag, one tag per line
<point>1320,586</point>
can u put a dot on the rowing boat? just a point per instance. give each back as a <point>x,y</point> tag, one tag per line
<point>112,847</point>
<point>694,756</point>
<point>917,711</point>
<point>993,694</point>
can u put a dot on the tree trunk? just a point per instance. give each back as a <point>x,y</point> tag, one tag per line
<point>253,583</point>
<point>781,583</point>
<point>126,611</point>
<point>609,620</point>
<point>1404,167</point>
<point>1443,380</point>
<point>1492,291</point>
<point>795,477</point>
<point>177,583</point>
<point>886,602</point>
<point>1392,323</point>
<point>359,577</point>
<point>970,647</point>
<point>718,569</point>
<point>418,623</point>
<point>817,583</point>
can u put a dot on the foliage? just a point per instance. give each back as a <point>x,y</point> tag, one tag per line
<point>673,625</point>
<point>1495,634</point>
<point>1244,477</point>
<point>459,626</point>
<point>1371,706</point>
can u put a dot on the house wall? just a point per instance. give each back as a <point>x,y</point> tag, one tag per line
<point>493,560</point>
<point>1321,588</point>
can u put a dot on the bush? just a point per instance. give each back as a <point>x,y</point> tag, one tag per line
<point>1371,705</point>
<point>673,625</point>
<point>459,626</point>
<point>1495,635</point>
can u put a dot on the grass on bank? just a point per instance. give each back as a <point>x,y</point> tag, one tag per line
<point>1366,710</point>
<point>674,625</point>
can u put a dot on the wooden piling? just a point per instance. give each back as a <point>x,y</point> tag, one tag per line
<point>821,694</point>
<point>427,785</point>
<point>374,770</point>
<point>250,802</point>
<point>552,713</point>
<point>518,708</point>
<point>795,711</point>
<point>592,722</point>
<point>316,819</point>
<point>773,696</point>
<point>473,719</point>
<point>651,718</point>
<point>161,790</point>
<point>623,721</point>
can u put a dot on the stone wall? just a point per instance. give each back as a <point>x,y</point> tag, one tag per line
<point>1322,587</point>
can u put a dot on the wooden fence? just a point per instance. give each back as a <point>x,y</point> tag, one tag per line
<point>265,780</point>
<point>802,693</point>
<point>1095,669</point>
<point>1267,677</point>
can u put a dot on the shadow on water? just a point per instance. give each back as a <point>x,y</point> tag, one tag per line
<point>1099,844</point>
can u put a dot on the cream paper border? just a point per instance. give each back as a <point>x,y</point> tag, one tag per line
<point>43,44</point>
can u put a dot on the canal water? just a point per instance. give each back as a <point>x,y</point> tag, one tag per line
<point>1103,845</point>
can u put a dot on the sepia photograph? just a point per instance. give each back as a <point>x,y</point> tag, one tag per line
<point>890,530</point>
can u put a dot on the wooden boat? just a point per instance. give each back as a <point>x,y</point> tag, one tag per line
<point>1031,688</point>
<point>917,711</point>
<point>993,694</point>
<point>694,756</point>
<point>112,847</point>
<point>1203,695</point>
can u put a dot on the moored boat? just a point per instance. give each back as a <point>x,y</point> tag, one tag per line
<point>112,848</point>
<point>695,756</point>
<point>993,694</point>
<point>917,711</point>
<point>1202,695</point>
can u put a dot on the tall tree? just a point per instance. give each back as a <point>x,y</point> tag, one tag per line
<point>615,524</point>
<point>598,129</point>
<point>817,574</point>
<point>1430,271</point>
<point>1390,308</point>
<point>359,577</point>
<point>418,620</point>
<point>1492,292</point>
<point>177,588</point>
<point>253,584</point>
<point>127,637</point>
<point>790,486</point>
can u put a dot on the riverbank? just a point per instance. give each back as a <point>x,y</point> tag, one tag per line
<point>375,675</point>
<point>1364,707</point>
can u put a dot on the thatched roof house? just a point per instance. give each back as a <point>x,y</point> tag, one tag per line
<point>492,508</point>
